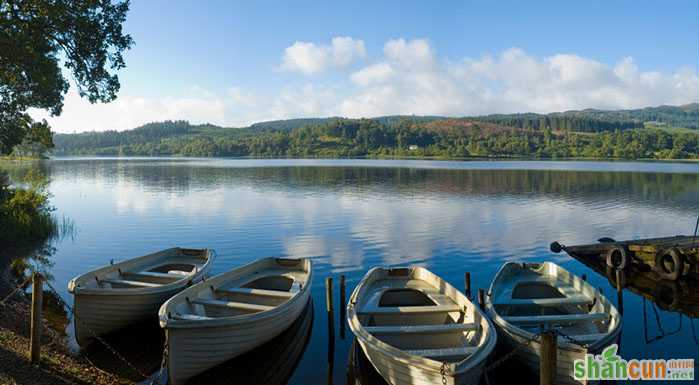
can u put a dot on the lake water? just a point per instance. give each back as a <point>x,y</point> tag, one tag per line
<point>350,215</point>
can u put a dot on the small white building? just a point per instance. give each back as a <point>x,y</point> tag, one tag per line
<point>413,147</point>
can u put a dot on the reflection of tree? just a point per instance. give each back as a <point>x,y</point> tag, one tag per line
<point>667,190</point>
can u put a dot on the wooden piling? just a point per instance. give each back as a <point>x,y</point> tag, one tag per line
<point>35,335</point>
<point>331,327</point>
<point>467,284</point>
<point>481,298</point>
<point>547,362</point>
<point>329,294</point>
<point>620,291</point>
<point>343,306</point>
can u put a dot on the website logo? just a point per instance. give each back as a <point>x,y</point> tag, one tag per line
<point>610,366</point>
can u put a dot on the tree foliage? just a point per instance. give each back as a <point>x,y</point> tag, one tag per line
<point>336,137</point>
<point>37,38</point>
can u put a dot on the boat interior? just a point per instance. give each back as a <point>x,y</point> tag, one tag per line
<point>532,300</point>
<point>254,292</point>
<point>178,264</point>
<point>413,314</point>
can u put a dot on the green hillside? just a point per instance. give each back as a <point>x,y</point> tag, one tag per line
<point>628,134</point>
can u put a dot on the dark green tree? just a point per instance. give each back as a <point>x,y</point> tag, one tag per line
<point>38,38</point>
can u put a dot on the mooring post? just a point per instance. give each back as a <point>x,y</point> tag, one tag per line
<point>329,306</point>
<point>35,336</point>
<point>467,284</point>
<point>547,363</point>
<point>620,291</point>
<point>331,327</point>
<point>481,298</point>
<point>343,306</point>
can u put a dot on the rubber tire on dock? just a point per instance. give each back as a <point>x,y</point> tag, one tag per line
<point>617,253</point>
<point>678,264</point>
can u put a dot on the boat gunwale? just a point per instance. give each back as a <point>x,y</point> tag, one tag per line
<point>75,289</point>
<point>454,368</point>
<point>167,322</point>
<point>513,330</point>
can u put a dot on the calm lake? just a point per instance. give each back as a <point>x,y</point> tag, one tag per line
<point>351,215</point>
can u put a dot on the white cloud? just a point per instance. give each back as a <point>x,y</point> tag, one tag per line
<point>309,58</point>
<point>408,78</point>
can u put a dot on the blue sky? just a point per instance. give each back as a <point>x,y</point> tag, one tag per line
<point>233,63</point>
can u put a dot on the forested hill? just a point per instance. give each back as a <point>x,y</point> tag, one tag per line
<point>654,132</point>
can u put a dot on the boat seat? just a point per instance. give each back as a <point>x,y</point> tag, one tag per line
<point>257,292</point>
<point>421,329</point>
<point>444,353</point>
<point>191,317</point>
<point>233,305</point>
<point>410,309</point>
<point>563,318</point>
<point>571,300</point>
<point>124,282</point>
<point>587,338</point>
<point>151,274</point>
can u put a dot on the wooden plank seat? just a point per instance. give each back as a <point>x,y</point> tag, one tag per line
<point>393,310</point>
<point>256,292</point>
<point>124,282</point>
<point>151,274</point>
<point>587,338</point>
<point>444,353</point>
<point>421,329</point>
<point>191,317</point>
<point>563,318</point>
<point>232,305</point>
<point>570,300</point>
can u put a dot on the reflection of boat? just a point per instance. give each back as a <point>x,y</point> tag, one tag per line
<point>416,329</point>
<point>271,364</point>
<point>124,293</point>
<point>232,313</point>
<point>523,297</point>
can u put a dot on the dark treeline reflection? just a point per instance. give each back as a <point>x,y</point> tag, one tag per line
<point>667,190</point>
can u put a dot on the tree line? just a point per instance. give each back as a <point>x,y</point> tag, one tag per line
<point>405,137</point>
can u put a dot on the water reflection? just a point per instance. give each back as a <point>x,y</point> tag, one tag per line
<point>450,217</point>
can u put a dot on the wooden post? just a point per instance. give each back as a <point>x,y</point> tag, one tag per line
<point>329,307</point>
<point>331,327</point>
<point>35,337</point>
<point>467,284</point>
<point>547,363</point>
<point>481,298</point>
<point>343,306</point>
<point>620,291</point>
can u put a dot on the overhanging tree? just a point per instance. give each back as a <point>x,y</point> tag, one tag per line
<point>37,39</point>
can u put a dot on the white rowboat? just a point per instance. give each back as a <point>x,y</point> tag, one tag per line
<point>115,296</point>
<point>232,313</point>
<point>523,299</point>
<point>417,329</point>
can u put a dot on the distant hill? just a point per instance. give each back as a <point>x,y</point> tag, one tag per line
<point>620,133</point>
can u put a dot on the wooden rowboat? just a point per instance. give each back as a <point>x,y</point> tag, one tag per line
<point>523,299</point>
<point>232,313</point>
<point>273,363</point>
<point>114,296</point>
<point>417,329</point>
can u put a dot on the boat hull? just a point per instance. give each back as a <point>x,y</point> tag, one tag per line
<point>528,352</point>
<point>194,350</point>
<point>396,372</point>
<point>97,315</point>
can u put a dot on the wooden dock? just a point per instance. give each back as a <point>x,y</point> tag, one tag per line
<point>671,258</point>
